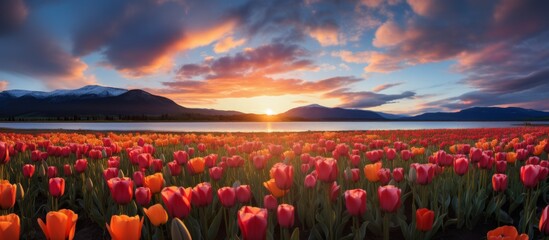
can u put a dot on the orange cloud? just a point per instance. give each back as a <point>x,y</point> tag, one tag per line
<point>227,44</point>
<point>326,35</point>
<point>377,62</point>
<point>3,85</point>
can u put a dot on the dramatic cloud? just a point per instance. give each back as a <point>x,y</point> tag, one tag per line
<point>141,37</point>
<point>31,53</point>
<point>250,73</point>
<point>3,85</point>
<point>382,87</point>
<point>377,62</point>
<point>366,99</point>
<point>264,60</point>
<point>227,44</point>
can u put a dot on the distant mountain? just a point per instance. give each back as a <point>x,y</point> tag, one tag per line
<point>483,114</point>
<point>317,112</point>
<point>95,101</point>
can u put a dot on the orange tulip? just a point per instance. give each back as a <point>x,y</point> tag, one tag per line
<point>370,170</point>
<point>10,226</point>
<point>156,214</point>
<point>196,165</point>
<point>59,225</point>
<point>275,191</point>
<point>505,233</point>
<point>154,182</point>
<point>511,157</point>
<point>7,194</point>
<point>125,227</point>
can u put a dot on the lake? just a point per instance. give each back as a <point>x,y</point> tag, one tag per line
<point>251,126</point>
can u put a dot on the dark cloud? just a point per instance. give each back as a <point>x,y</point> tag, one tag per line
<point>30,52</point>
<point>12,15</point>
<point>264,60</point>
<point>366,99</point>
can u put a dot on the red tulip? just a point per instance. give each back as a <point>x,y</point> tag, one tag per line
<point>544,220</point>
<point>334,191</point>
<point>243,193</point>
<point>57,187</point>
<point>110,173</point>
<point>121,190</point>
<point>175,169</point>
<point>310,181</point>
<point>177,201</point>
<point>67,170</point>
<point>389,198</point>
<point>424,219</point>
<point>210,160</point>
<point>326,170</point>
<point>4,153</point>
<point>499,182</point>
<point>285,215</point>
<point>390,154</point>
<point>355,160</point>
<point>475,154</point>
<point>501,166</point>
<point>270,202</point>
<point>283,175</point>
<point>529,175</point>
<point>398,174</point>
<point>28,170</point>
<point>227,196</point>
<point>405,155</point>
<point>355,201</point>
<point>138,178</point>
<point>144,160</point>
<point>352,174</point>
<point>157,165</point>
<point>81,165</point>
<point>384,175</point>
<point>461,165</point>
<point>424,173</point>
<point>143,196</point>
<point>52,171</point>
<point>202,194</point>
<point>216,173</point>
<point>252,222</point>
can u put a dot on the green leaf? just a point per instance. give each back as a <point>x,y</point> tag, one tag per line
<point>214,227</point>
<point>295,234</point>
<point>504,217</point>
<point>363,229</point>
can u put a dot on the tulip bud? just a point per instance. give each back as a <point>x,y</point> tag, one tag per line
<point>89,185</point>
<point>285,215</point>
<point>179,230</point>
<point>20,191</point>
<point>270,202</point>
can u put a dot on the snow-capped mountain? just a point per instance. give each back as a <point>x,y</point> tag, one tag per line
<point>98,91</point>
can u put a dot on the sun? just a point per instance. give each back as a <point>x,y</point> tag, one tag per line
<point>269,111</point>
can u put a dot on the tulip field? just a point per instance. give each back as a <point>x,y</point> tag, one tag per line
<point>399,184</point>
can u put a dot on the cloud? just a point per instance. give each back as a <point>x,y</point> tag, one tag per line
<point>326,35</point>
<point>227,44</point>
<point>30,52</point>
<point>264,60</point>
<point>382,87</point>
<point>377,61</point>
<point>366,99</point>
<point>12,14</point>
<point>3,85</point>
<point>250,73</point>
<point>142,37</point>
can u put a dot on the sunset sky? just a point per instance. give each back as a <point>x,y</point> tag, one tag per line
<point>396,56</point>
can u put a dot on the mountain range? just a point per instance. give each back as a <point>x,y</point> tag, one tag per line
<point>107,103</point>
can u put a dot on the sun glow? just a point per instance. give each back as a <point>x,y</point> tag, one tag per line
<point>269,111</point>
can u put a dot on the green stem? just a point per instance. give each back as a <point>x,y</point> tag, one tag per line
<point>386,226</point>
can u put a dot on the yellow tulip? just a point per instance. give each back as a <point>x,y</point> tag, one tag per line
<point>10,226</point>
<point>124,227</point>
<point>156,214</point>
<point>59,225</point>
